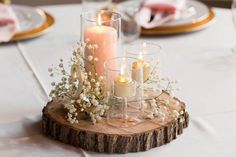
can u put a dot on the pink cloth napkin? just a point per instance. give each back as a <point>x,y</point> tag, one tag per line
<point>8,23</point>
<point>154,13</point>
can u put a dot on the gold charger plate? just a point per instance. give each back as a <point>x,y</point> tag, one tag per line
<point>38,31</point>
<point>184,28</point>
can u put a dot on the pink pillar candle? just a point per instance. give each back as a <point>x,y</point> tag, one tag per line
<point>105,38</point>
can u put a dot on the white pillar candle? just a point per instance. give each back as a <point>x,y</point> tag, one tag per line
<point>124,87</point>
<point>140,67</point>
<point>137,72</point>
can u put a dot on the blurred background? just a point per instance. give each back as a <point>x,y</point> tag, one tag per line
<point>216,3</point>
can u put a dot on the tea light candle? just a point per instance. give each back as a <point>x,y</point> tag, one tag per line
<point>140,65</point>
<point>136,70</point>
<point>105,37</point>
<point>124,86</point>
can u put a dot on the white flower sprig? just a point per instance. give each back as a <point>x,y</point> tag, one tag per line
<point>81,91</point>
<point>159,106</point>
<point>161,83</point>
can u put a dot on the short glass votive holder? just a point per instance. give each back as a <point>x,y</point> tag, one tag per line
<point>121,93</point>
<point>100,30</point>
<point>146,69</point>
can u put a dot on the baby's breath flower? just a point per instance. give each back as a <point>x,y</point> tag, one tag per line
<point>78,101</point>
<point>101,78</point>
<point>83,44</point>
<point>61,65</point>
<point>89,46</point>
<point>95,102</point>
<point>153,101</point>
<point>96,89</point>
<point>79,49</point>
<point>63,72</point>
<point>63,79</point>
<point>87,40</point>
<point>97,84</point>
<point>90,58</point>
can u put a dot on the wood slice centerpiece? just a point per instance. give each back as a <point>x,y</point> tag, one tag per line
<point>102,137</point>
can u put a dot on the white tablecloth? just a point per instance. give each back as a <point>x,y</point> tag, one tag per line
<point>207,84</point>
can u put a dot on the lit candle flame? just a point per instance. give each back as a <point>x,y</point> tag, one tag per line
<point>99,21</point>
<point>122,79</point>
<point>122,73</point>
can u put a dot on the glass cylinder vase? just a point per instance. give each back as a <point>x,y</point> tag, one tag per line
<point>101,32</point>
<point>121,93</point>
<point>146,69</point>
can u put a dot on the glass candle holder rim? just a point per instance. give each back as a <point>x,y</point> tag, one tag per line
<point>83,15</point>
<point>111,59</point>
<point>141,43</point>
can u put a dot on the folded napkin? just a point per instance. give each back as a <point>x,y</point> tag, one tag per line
<point>8,23</point>
<point>154,13</point>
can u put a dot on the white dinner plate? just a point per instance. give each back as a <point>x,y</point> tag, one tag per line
<point>29,18</point>
<point>194,11</point>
